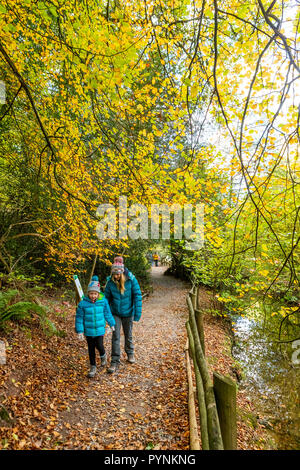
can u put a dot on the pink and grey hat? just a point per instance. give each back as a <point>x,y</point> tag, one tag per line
<point>118,265</point>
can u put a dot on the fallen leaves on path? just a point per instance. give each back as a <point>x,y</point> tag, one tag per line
<point>53,405</point>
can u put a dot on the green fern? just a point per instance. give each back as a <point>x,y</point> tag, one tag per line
<point>6,297</point>
<point>50,329</point>
<point>20,310</point>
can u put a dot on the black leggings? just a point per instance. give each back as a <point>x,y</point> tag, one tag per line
<point>93,344</point>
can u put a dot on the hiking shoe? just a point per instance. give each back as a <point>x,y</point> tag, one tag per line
<point>103,360</point>
<point>131,358</point>
<point>92,371</point>
<point>113,367</point>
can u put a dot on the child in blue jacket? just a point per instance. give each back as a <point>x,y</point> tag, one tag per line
<point>91,316</point>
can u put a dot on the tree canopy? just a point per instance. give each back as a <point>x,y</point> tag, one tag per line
<point>160,101</point>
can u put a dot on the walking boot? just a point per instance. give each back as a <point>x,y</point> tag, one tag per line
<point>92,371</point>
<point>113,367</point>
<point>103,360</point>
<point>131,358</point>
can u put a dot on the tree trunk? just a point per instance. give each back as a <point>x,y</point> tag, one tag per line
<point>93,269</point>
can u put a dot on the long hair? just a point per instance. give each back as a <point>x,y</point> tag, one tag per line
<point>121,283</point>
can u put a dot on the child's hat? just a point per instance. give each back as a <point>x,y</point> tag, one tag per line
<point>118,265</point>
<point>94,285</point>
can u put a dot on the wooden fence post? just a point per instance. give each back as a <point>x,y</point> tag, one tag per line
<point>199,321</point>
<point>225,393</point>
<point>197,302</point>
<point>193,294</point>
<point>194,439</point>
<point>214,432</point>
<point>200,393</point>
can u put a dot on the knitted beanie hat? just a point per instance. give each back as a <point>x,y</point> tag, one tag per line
<point>118,265</point>
<point>94,285</point>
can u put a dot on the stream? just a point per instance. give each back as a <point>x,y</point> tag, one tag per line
<point>271,381</point>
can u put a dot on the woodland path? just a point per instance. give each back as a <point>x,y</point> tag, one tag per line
<point>54,406</point>
<point>142,405</point>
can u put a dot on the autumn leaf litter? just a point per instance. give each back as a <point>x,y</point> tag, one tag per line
<point>53,405</point>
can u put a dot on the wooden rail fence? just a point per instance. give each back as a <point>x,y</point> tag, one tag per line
<point>216,397</point>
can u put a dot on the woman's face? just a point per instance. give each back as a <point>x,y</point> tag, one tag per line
<point>117,277</point>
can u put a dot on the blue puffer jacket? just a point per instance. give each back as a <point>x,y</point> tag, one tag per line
<point>127,304</point>
<point>91,316</point>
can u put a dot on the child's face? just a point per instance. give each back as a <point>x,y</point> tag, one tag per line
<point>117,277</point>
<point>93,295</point>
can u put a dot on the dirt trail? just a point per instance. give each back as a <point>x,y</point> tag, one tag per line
<point>53,405</point>
<point>142,405</point>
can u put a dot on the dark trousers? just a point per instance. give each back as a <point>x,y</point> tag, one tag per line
<point>93,344</point>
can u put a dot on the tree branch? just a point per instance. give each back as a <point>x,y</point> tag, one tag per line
<point>267,15</point>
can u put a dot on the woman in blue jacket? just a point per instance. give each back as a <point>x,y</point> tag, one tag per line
<point>125,299</point>
<point>91,316</point>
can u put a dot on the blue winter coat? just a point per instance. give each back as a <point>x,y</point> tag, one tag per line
<point>127,304</point>
<point>91,316</point>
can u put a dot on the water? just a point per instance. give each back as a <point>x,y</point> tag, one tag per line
<point>271,382</point>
